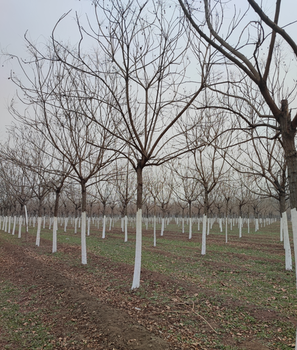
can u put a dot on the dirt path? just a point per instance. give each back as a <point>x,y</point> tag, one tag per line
<point>77,319</point>
<point>92,306</point>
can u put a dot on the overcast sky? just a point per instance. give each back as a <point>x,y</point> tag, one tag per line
<point>38,17</point>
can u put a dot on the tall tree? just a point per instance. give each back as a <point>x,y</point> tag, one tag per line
<point>63,113</point>
<point>263,162</point>
<point>186,189</point>
<point>248,44</point>
<point>142,64</point>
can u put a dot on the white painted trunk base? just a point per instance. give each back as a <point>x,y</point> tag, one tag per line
<point>89,226</point>
<point>65,224</point>
<point>14,224</point>
<point>288,256</point>
<point>83,239</point>
<point>256,225</point>
<point>190,228</point>
<point>155,235</point>
<point>221,225</point>
<point>226,230</point>
<point>162,227</point>
<point>20,226</point>
<point>9,224</point>
<point>138,247</point>
<point>294,229</point>
<point>103,228</point>
<point>203,246</point>
<point>126,228</point>
<point>55,228</point>
<point>75,225</point>
<point>39,220</point>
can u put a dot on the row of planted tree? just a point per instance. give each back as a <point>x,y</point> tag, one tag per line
<point>202,225</point>
<point>149,85</point>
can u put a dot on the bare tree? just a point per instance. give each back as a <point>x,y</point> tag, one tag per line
<point>72,195</point>
<point>142,66</point>
<point>153,187</point>
<point>140,72</point>
<point>125,192</point>
<point>263,162</point>
<point>186,189</point>
<point>241,43</point>
<point>22,175</point>
<point>63,111</point>
<point>11,175</point>
<point>165,184</point>
<point>209,164</point>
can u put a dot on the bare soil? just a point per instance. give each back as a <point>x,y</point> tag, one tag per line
<point>83,312</point>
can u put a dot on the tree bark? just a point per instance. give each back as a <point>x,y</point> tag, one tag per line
<point>288,132</point>
<point>56,208</point>
<point>282,202</point>
<point>206,202</point>
<point>139,185</point>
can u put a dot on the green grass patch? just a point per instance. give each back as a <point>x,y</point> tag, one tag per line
<point>22,326</point>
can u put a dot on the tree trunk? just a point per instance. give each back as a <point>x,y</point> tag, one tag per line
<point>183,220</point>
<point>39,220</point>
<point>282,202</point>
<point>83,223</point>
<point>126,227</point>
<point>203,245</point>
<point>26,223</point>
<point>190,219</point>
<point>138,244</point>
<point>163,220</point>
<point>226,229</point>
<point>14,224</point>
<point>9,223</point>
<point>20,226</point>
<point>55,228</point>
<point>103,226</point>
<point>294,227</point>
<point>56,208</point>
<point>288,132</point>
<point>139,186</point>
<point>288,256</point>
<point>206,202</point>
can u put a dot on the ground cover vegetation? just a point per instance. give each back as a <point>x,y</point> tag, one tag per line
<point>155,110</point>
<point>237,296</point>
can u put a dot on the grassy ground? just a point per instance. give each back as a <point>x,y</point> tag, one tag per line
<point>237,296</point>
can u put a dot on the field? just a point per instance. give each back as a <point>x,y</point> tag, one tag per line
<point>237,296</point>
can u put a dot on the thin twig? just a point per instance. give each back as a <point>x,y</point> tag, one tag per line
<point>196,313</point>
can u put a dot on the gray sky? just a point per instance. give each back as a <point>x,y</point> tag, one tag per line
<point>38,18</point>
